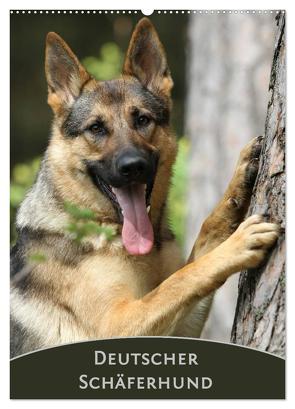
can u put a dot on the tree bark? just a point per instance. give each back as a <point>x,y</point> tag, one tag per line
<point>260,313</point>
<point>229,65</point>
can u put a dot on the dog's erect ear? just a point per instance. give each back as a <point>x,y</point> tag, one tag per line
<point>146,59</point>
<point>65,75</point>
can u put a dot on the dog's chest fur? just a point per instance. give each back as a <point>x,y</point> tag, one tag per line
<point>139,274</point>
<point>59,295</point>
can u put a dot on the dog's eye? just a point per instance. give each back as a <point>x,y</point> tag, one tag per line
<point>142,120</point>
<point>98,128</point>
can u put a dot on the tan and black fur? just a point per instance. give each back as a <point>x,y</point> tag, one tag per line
<point>95,289</point>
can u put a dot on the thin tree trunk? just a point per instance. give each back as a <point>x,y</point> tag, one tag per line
<point>260,313</point>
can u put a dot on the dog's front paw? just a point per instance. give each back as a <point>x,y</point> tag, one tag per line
<point>240,188</point>
<point>249,161</point>
<point>250,243</point>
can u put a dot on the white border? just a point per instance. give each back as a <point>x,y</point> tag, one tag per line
<point>138,12</point>
<point>4,185</point>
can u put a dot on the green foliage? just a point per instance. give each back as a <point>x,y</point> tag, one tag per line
<point>37,258</point>
<point>108,65</point>
<point>78,213</point>
<point>22,178</point>
<point>177,208</point>
<point>83,224</point>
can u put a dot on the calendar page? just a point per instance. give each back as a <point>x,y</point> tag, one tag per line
<point>147,204</point>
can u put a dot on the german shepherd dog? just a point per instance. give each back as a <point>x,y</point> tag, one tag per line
<point>112,151</point>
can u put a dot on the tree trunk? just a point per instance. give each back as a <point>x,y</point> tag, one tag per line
<point>229,66</point>
<point>260,313</point>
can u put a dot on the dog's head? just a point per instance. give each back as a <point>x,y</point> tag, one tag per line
<point>111,145</point>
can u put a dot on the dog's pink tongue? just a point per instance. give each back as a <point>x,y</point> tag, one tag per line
<point>137,232</point>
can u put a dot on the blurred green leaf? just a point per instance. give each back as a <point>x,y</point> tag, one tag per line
<point>17,194</point>
<point>84,229</point>
<point>107,65</point>
<point>83,223</point>
<point>79,213</point>
<point>37,258</point>
<point>177,208</point>
<point>23,176</point>
<point>24,173</point>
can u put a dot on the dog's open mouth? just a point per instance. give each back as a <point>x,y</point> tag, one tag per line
<point>132,203</point>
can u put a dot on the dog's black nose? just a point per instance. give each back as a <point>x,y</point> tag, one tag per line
<point>133,166</point>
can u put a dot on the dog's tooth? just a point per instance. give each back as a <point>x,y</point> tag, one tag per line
<point>148,208</point>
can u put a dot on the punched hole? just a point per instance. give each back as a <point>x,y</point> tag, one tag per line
<point>147,12</point>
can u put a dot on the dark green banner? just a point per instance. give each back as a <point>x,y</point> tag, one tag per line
<point>149,368</point>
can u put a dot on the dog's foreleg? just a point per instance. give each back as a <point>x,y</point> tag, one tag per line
<point>231,209</point>
<point>220,224</point>
<point>163,309</point>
